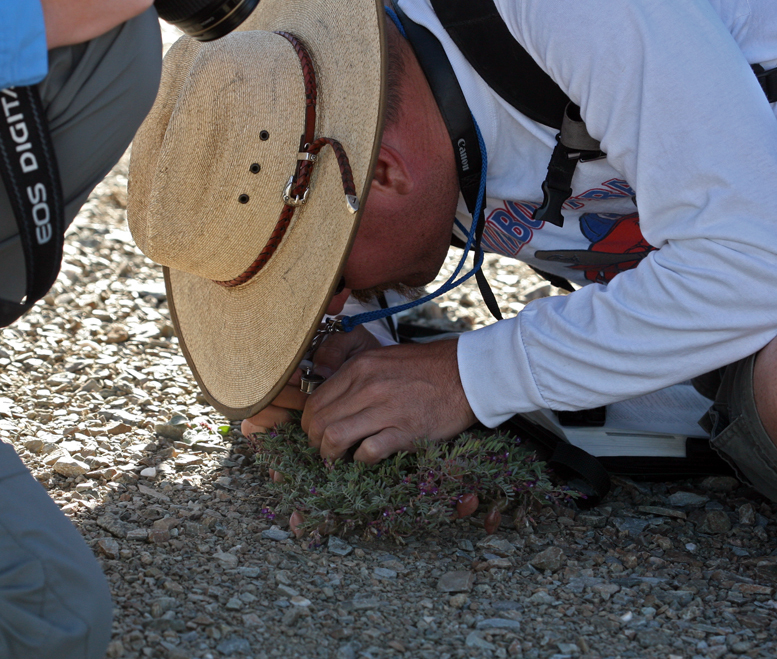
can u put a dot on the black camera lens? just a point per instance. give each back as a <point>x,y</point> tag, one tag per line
<point>205,20</point>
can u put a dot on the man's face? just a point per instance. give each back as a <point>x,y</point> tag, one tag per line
<point>390,249</point>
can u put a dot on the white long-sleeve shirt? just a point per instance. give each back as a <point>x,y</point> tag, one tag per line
<point>667,89</point>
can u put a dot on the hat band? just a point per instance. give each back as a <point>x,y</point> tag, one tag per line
<point>298,187</point>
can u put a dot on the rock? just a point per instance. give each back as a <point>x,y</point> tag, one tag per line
<point>186,461</point>
<point>234,644</point>
<point>714,521</point>
<point>109,547</point>
<point>665,512</point>
<point>475,640</point>
<point>687,499</point>
<point>275,534</point>
<point>166,523</point>
<point>250,572</point>
<point>384,573</point>
<point>496,545</point>
<point>288,590</point>
<point>171,430</point>
<point>34,445</point>
<point>591,520</point>
<point>499,623</point>
<point>143,489</point>
<point>113,525</point>
<point>720,484</point>
<point>551,559</point>
<point>226,560</point>
<point>119,428</point>
<point>746,514</point>
<point>158,536</point>
<point>234,604</point>
<point>138,534</point>
<point>458,581</point>
<point>630,525</point>
<point>70,467</point>
<point>148,472</point>
<point>458,601</point>
<point>465,545</point>
<point>568,648</point>
<point>162,605</point>
<point>542,597</point>
<point>338,546</point>
<point>606,590</point>
<point>298,600</point>
<point>117,334</point>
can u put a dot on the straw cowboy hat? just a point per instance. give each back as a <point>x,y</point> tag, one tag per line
<point>246,182</point>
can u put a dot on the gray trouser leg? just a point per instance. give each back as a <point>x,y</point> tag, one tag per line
<point>54,599</point>
<point>96,95</point>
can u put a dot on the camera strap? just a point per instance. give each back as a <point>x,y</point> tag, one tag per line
<point>29,168</point>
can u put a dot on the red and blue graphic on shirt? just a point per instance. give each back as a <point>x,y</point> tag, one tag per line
<point>616,241</point>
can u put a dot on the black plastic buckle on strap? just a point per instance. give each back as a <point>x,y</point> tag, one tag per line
<point>30,172</point>
<point>768,81</point>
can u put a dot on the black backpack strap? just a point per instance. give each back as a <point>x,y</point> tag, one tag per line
<point>483,38</point>
<point>30,172</point>
<point>582,471</point>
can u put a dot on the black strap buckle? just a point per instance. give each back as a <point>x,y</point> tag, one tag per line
<point>768,81</point>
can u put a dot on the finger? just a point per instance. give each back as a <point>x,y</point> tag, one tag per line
<point>291,397</point>
<point>339,348</point>
<point>264,420</point>
<point>341,435</point>
<point>383,445</point>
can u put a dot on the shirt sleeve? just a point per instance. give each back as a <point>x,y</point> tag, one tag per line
<point>23,53</point>
<point>665,88</point>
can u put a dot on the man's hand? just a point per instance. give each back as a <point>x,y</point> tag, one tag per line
<point>76,21</point>
<point>330,356</point>
<point>388,398</point>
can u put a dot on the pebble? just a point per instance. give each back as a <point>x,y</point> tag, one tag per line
<point>723,484</point>
<point>715,521</point>
<point>458,601</point>
<point>458,581</point>
<point>551,559</point>
<point>109,547</point>
<point>233,645</point>
<point>384,573</point>
<point>337,546</point>
<point>499,623</point>
<point>70,467</point>
<point>275,534</point>
<point>227,560</point>
<point>475,640</point>
<point>497,545</point>
<point>687,499</point>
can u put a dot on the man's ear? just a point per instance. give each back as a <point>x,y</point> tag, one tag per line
<point>393,175</point>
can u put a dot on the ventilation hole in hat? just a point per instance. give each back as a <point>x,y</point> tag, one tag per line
<point>243,198</point>
<point>255,168</point>
<point>264,136</point>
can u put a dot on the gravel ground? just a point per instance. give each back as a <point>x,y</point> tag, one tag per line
<point>94,395</point>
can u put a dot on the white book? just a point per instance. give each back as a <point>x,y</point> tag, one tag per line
<point>654,425</point>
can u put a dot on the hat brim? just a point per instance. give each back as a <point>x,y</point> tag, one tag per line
<point>243,344</point>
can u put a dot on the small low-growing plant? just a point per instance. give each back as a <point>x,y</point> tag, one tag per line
<point>440,482</point>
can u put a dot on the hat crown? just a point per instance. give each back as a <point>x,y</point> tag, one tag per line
<point>229,147</point>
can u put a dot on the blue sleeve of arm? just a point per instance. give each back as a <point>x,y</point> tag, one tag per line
<point>23,53</point>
